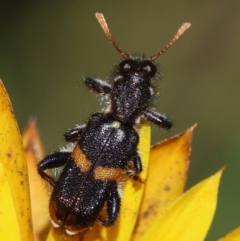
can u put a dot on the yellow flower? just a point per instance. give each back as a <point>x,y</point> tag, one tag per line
<point>156,209</point>
<point>15,208</point>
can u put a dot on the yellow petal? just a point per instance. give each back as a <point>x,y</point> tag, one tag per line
<point>8,218</point>
<point>190,217</point>
<point>232,236</point>
<point>132,195</point>
<point>166,179</point>
<point>51,235</point>
<point>39,191</point>
<point>14,164</point>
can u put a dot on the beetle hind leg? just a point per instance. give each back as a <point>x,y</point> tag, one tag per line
<point>113,208</point>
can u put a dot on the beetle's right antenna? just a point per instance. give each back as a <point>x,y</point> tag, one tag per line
<point>179,33</point>
<point>105,28</point>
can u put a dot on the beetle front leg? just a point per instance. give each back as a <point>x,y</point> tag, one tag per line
<point>98,86</point>
<point>54,160</point>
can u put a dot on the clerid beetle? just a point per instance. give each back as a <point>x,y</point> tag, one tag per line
<point>104,150</point>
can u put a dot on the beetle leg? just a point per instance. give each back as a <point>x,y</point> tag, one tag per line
<point>157,119</point>
<point>134,166</point>
<point>113,207</point>
<point>54,160</point>
<point>137,163</point>
<point>74,134</point>
<point>98,86</point>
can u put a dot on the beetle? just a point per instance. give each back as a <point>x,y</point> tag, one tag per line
<point>104,150</point>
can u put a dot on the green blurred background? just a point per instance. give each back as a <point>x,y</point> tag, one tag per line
<point>47,46</point>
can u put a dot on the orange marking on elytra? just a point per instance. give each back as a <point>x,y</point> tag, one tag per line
<point>81,160</point>
<point>107,173</point>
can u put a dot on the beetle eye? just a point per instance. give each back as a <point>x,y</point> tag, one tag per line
<point>147,68</point>
<point>126,66</point>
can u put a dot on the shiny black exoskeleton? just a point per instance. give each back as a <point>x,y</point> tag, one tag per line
<point>92,172</point>
<point>105,149</point>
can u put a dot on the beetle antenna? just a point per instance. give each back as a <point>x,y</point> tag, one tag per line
<point>180,32</point>
<point>105,28</point>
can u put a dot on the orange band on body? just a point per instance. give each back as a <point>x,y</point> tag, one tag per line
<point>80,159</point>
<point>107,173</point>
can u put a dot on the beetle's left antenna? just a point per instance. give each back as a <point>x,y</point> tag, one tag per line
<point>105,28</point>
